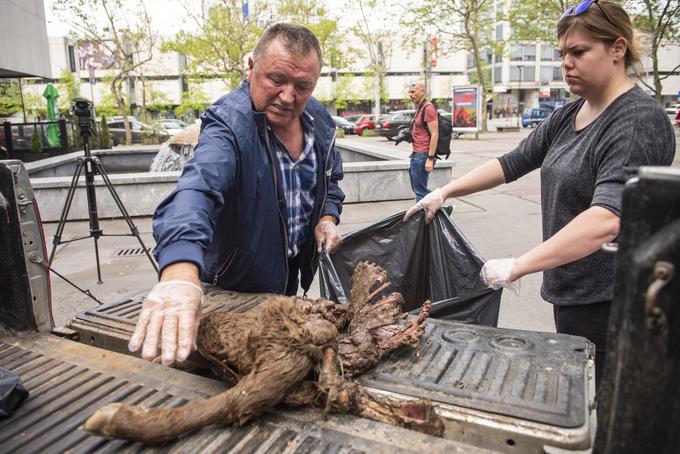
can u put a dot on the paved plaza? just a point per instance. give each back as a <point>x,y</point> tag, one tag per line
<point>503,222</point>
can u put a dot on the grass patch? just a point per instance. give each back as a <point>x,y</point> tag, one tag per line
<point>368,133</point>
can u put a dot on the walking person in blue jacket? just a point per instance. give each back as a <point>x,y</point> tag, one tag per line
<point>258,201</point>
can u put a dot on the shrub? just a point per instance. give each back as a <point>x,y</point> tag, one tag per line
<point>105,140</point>
<point>36,141</point>
<point>368,133</point>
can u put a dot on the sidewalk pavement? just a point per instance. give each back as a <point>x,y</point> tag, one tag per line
<point>503,222</point>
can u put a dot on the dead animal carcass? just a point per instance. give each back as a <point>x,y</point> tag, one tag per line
<point>294,351</point>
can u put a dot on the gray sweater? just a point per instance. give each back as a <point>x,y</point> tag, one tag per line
<point>585,168</point>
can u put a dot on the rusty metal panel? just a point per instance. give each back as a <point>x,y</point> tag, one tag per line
<point>68,381</point>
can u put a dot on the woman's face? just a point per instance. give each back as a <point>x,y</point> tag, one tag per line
<point>589,64</point>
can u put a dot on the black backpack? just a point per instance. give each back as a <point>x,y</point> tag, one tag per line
<point>445,129</point>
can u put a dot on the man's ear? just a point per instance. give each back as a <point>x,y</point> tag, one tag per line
<point>251,65</point>
<point>619,49</point>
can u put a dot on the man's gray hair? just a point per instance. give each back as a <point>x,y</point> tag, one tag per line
<point>298,40</point>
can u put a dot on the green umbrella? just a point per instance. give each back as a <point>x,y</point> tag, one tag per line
<point>53,136</point>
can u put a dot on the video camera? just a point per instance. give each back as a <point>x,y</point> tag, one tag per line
<point>83,109</point>
<point>404,135</point>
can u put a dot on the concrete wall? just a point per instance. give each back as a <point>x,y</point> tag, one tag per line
<point>372,181</point>
<point>114,161</point>
<point>23,38</point>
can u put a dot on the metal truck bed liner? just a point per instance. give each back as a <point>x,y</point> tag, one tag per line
<point>496,388</point>
<point>68,381</point>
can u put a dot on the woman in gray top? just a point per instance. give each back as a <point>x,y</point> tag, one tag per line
<point>586,151</point>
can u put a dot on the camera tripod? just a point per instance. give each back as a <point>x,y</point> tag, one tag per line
<point>92,166</point>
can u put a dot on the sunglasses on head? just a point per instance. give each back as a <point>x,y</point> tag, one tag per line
<point>582,7</point>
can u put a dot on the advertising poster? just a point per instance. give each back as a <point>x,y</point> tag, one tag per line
<point>466,108</point>
<point>92,55</point>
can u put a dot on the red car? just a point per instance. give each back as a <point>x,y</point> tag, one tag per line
<point>365,122</point>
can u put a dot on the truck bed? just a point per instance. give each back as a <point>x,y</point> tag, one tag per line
<point>68,381</point>
<point>499,389</point>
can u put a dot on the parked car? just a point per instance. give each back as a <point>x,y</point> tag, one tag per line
<point>343,124</point>
<point>365,122</point>
<point>140,131</point>
<point>672,112</point>
<point>171,125</point>
<point>353,118</point>
<point>389,127</point>
<point>533,116</point>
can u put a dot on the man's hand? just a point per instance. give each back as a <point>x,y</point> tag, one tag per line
<point>429,164</point>
<point>431,203</point>
<point>497,273</point>
<point>170,315</point>
<point>326,231</point>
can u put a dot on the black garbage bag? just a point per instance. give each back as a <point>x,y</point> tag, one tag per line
<point>12,392</point>
<point>423,261</point>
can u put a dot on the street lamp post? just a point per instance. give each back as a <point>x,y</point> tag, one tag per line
<point>519,91</point>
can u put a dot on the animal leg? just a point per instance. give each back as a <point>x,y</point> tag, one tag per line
<point>349,397</point>
<point>266,385</point>
<point>407,336</point>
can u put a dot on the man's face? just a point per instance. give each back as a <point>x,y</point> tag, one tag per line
<point>281,84</point>
<point>416,93</point>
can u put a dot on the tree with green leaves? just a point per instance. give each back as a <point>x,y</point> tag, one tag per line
<point>533,20</point>
<point>315,16</point>
<point>193,101</point>
<point>660,20</point>
<point>375,30</point>
<point>68,86</point>
<point>10,97</point>
<point>462,24</point>
<point>345,94</point>
<point>221,42</point>
<point>152,99</point>
<point>120,27</point>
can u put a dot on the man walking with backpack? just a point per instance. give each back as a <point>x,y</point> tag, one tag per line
<point>425,135</point>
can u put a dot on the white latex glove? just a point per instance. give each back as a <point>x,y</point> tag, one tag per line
<point>170,314</point>
<point>326,231</point>
<point>497,273</point>
<point>431,203</point>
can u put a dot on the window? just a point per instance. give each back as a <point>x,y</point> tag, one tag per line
<point>71,58</point>
<point>549,53</point>
<point>497,74</point>
<point>528,73</point>
<point>550,73</point>
<point>515,52</point>
<point>499,32</point>
<point>523,53</point>
<point>557,73</point>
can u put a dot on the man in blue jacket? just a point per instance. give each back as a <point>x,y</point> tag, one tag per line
<point>258,201</point>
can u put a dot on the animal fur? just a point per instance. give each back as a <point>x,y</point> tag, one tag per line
<point>294,351</point>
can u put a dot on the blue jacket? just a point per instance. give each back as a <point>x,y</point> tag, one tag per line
<point>228,212</point>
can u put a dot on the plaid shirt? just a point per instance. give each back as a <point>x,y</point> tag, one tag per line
<point>298,180</point>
